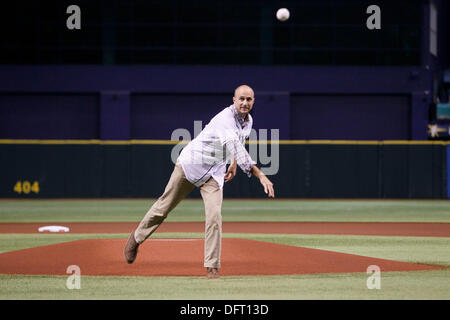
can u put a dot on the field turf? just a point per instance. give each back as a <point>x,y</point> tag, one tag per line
<point>423,285</point>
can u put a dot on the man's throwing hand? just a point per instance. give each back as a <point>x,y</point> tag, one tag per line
<point>268,186</point>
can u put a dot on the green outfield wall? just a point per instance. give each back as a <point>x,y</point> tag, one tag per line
<point>305,169</point>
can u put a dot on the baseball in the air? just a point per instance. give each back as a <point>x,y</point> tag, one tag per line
<point>283,14</point>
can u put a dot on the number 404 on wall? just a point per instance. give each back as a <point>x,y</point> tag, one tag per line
<point>26,187</point>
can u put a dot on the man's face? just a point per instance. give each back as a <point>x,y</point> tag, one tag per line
<point>244,99</point>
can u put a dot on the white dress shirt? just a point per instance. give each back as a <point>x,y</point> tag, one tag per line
<point>222,139</point>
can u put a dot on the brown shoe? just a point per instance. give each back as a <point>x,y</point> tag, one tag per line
<point>212,273</point>
<point>131,249</point>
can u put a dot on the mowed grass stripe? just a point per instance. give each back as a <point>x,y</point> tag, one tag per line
<point>132,210</point>
<point>428,285</point>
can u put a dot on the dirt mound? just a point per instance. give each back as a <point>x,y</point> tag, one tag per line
<point>184,257</point>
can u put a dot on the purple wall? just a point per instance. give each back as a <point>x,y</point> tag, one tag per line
<point>350,117</point>
<point>114,115</point>
<point>149,102</point>
<point>214,79</point>
<point>156,116</point>
<point>49,116</point>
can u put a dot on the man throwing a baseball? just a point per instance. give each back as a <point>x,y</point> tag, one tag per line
<point>202,164</point>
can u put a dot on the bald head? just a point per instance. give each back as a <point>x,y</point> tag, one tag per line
<point>243,99</point>
<point>243,88</point>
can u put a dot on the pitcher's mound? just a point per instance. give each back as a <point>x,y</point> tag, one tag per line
<point>184,257</point>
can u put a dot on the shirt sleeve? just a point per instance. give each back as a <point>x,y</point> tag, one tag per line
<point>240,154</point>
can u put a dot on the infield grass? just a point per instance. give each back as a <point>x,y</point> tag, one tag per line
<point>130,210</point>
<point>394,285</point>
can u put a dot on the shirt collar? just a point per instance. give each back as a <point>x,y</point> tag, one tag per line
<point>242,122</point>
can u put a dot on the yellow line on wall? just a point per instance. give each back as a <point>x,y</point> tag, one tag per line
<point>171,142</point>
<point>92,141</point>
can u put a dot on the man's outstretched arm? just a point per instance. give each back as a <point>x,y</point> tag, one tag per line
<point>245,162</point>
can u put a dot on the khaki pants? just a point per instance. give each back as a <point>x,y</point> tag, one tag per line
<point>176,190</point>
